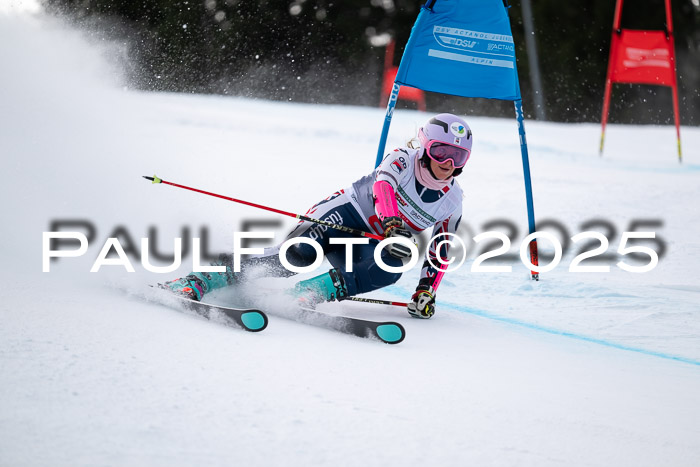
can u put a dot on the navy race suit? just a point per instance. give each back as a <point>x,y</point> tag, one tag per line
<point>419,207</point>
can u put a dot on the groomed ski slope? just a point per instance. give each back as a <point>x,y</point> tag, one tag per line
<point>579,369</point>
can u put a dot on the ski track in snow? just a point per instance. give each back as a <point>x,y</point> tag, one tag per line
<point>579,369</point>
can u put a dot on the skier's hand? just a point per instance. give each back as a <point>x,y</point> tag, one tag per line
<point>394,227</point>
<point>422,303</point>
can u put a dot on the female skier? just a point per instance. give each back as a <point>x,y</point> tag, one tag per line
<point>413,189</point>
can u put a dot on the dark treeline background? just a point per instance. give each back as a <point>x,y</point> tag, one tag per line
<point>332,51</point>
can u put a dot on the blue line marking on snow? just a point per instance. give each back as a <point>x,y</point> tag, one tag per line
<point>557,332</point>
<point>571,335</point>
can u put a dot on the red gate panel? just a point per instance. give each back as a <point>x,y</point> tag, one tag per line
<point>642,57</point>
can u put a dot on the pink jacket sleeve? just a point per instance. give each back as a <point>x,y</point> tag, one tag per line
<point>384,200</point>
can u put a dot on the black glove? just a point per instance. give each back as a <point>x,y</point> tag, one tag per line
<point>422,302</point>
<point>393,227</point>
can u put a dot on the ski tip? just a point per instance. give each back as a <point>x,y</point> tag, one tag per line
<point>254,321</point>
<point>391,333</point>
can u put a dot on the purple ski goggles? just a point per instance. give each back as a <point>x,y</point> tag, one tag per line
<point>441,152</point>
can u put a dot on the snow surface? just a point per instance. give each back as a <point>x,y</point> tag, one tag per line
<point>579,369</point>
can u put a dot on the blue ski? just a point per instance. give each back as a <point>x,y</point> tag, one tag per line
<point>389,332</point>
<point>250,319</point>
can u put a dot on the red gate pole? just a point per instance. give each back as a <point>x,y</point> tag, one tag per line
<point>642,57</point>
<point>608,79</point>
<point>674,84</point>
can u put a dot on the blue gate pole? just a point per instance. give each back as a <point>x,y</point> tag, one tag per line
<point>528,183</point>
<point>400,76</point>
<point>393,97</point>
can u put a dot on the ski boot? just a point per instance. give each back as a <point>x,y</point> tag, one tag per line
<point>196,284</point>
<point>190,287</point>
<point>327,287</point>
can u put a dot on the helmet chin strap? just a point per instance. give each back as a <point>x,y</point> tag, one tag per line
<point>427,178</point>
<point>425,160</point>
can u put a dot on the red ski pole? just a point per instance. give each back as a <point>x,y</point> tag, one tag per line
<point>342,228</point>
<point>376,301</point>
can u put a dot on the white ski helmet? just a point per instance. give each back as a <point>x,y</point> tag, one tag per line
<point>447,136</point>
